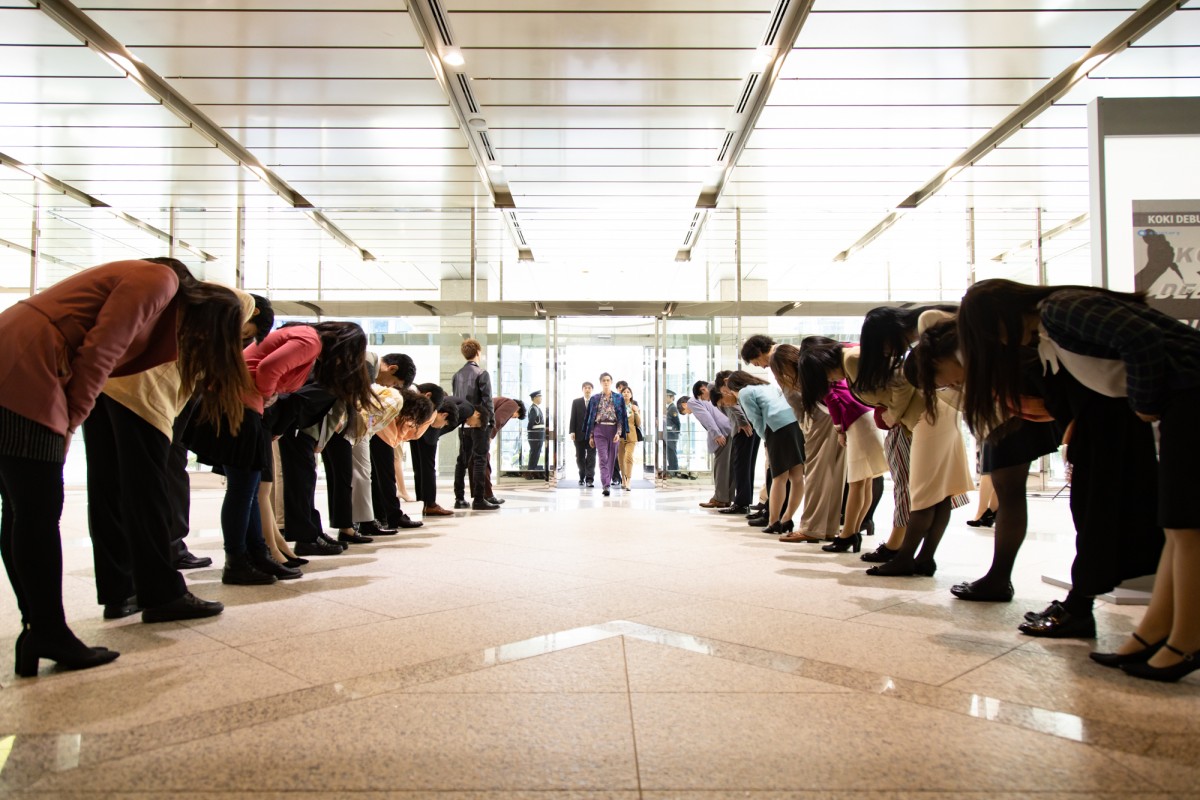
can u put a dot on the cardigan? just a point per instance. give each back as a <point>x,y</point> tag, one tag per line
<point>281,362</point>
<point>64,343</point>
<point>903,404</point>
<point>766,409</point>
<point>844,410</point>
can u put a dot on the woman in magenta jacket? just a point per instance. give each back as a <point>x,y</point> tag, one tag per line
<point>60,347</point>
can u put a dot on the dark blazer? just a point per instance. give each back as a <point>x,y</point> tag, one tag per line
<point>578,426</point>
<point>64,343</point>
<point>618,406</point>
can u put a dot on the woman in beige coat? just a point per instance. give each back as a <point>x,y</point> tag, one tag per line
<point>630,442</point>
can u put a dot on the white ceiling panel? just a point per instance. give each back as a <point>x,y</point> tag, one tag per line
<point>651,63</point>
<point>285,28</point>
<point>329,116</point>
<point>935,63</point>
<point>1016,27</point>
<point>185,61</point>
<point>585,30</point>
<point>337,137</point>
<point>309,91</point>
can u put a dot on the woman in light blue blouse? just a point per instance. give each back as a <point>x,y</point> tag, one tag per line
<point>773,420</point>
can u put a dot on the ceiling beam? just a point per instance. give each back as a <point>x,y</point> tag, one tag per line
<point>106,45</point>
<point>1134,27</point>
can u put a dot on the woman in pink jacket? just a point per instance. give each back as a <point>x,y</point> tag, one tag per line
<point>60,347</point>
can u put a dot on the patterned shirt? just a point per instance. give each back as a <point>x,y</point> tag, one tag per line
<point>605,412</point>
<point>1161,354</point>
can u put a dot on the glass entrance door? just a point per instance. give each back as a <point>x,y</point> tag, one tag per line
<point>624,347</point>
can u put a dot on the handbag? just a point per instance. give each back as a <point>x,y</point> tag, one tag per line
<point>637,432</point>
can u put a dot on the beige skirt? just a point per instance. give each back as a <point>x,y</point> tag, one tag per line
<point>864,450</point>
<point>938,468</point>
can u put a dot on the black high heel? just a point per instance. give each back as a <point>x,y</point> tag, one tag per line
<point>1118,660</point>
<point>986,520</point>
<point>844,543</point>
<point>1166,674</point>
<point>774,527</point>
<point>786,527</point>
<point>69,653</point>
<point>926,568</point>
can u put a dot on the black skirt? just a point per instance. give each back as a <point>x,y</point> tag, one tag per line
<point>1020,442</point>
<point>249,448</point>
<point>785,447</point>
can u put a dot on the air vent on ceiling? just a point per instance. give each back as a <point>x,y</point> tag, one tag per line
<point>687,239</point>
<point>516,226</point>
<point>748,92</point>
<point>725,145</point>
<point>776,21</point>
<point>439,18</point>
<point>487,145</point>
<point>464,86</point>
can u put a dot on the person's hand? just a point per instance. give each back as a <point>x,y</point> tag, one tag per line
<point>1147,417</point>
<point>591,441</point>
<point>721,441</point>
<point>67,443</point>
<point>617,438</point>
<point>842,439</point>
<point>270,401</point>
<point>746,429</point>
<point>572,437</point>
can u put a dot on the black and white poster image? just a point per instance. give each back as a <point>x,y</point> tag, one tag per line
<point>1166,256</point>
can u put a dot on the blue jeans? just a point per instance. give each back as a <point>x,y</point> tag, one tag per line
<point>241,524</point>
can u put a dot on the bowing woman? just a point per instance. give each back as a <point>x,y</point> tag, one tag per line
<point>61,347</point>
<point>1115,345</point>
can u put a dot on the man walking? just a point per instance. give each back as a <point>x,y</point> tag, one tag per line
<point>585,455</point>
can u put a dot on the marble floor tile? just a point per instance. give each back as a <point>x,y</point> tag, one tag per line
<point>1080,686</point>
<point>589,668</point>
<point>659,668</point>
<point>349,652</point>
<point>334,795</point>
<point>824,742</point>
<point>396,597</point>
<point>409,741</point>
<point>901,654</point>
<point>128,696</point>
<point>607,603</point>
<point>289,614</point>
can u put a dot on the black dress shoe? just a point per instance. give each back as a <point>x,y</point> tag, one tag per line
<point>63,648</point>
<point>1061,625</point>
<point>495,500</point>
<point>1170,674</point>
<point>186,607</point>
<point>1031,616</point>
<point>982,594</point>
<point>353,538</point>
<point>373,528</point>
<point>408,522</point>
<point>880,555</point>
<point>483,505</point>
<point>758,521</point>
<point>295,563</point>
<point>318,548</point>
<point>733,510</point>
<point>126,608</point>
<point>190,561</point>
<point>264,563</point>
<point>461,504</point>
<point>327,539</point>
<point>240,572</point>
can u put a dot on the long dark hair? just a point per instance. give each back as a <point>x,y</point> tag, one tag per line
<point>991,328</point>
<point>741,379</point>
<point>884,342</point>
<point>341,369</point>
<point>815,362</point>
<point>210,347</point>
<point>937,343</point>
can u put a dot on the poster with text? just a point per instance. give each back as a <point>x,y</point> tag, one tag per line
<point>1166,256</point>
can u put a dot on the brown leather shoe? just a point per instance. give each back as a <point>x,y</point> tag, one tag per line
<point>436,511</point>
<point>712,503</point>
<point>799,536</point>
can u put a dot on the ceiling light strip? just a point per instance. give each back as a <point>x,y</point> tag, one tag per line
<point>428,17</point>
<point>780,37</point>
<point>102,42</point>
<point>1053,233</point>
<point>92,202</point>
<point>1134,27</point>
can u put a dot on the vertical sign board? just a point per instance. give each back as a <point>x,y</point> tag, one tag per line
<point>1166,256</point>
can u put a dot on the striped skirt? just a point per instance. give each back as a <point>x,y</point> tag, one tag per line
<point>897,447</point>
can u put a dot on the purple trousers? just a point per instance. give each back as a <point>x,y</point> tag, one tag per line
<point>606,450</point>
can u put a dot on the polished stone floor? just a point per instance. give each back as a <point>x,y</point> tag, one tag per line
<point>579,646</point>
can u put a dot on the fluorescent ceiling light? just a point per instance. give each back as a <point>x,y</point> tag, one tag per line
<point>763,57</point>
<point>454,57</point>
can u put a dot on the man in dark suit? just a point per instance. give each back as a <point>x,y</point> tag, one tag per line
<point>671,435</point>
<point>535,433</point>
<point>585,457</point>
